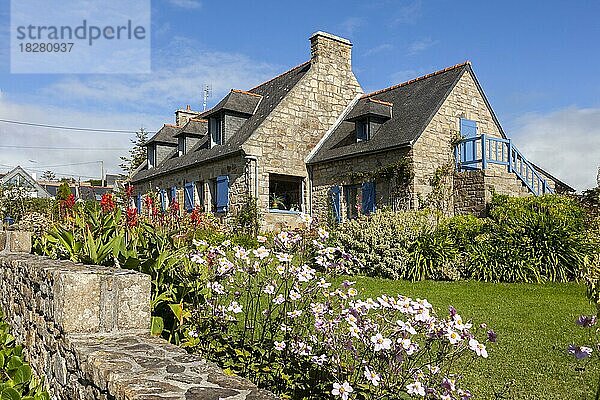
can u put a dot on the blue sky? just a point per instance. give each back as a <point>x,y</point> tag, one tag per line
<point>537,62</point>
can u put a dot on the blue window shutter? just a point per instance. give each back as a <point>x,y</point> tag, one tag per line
<point>138,203</point>
<point>189,196</point>
<point>335,201</point>
<point>368,197</point>
<point>222,193</point>
<point>173,194</point>
<point>163,199</point>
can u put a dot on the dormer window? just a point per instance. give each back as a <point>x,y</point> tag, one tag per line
<point>362,130</point>
<point>215,129</point>
<point>151,152</point>
<point>181,145</point>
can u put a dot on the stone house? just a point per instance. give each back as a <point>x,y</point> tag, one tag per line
<point>310,140</point>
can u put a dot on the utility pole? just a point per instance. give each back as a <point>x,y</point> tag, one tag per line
<point>101,172</point>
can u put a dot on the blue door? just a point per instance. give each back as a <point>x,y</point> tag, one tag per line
<point>468,152</point>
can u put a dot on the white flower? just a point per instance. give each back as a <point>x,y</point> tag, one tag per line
<point>294,295</point>
<point>294,314</point>
<point>478,348</point>
<point>261,252</point>
<point>198,259</point>
<point>241,253</point>
<point>199,243</point>
<point>323,284</point>
<point>284,257</point>
<point>323,234</point>
<point>307,219</point>
<point>320,360</point>
<point>279,299</point>
<point>269,289</point>
<point>372,377</point>
<point>280,269</point>
<point>217,287</point>
<point>416,389</point>
<point>261,239</point>
<point>453,337</point>
<point>406,327</point>
<point>354,330</point>
<point>352,292</point>
<point>235,307</point>
<point>343,390</point>
<point>280,346</point>
<point>381,343</point>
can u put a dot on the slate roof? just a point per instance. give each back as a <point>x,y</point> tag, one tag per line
<point>194,127</point>
<point>272,92</point>
<point>238,101</point>
<point>414,103</point>
<point>165,135</point>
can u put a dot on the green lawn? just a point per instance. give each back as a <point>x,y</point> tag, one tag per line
<point>535,324</point>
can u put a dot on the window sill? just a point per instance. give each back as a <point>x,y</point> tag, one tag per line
<point>277,211</point>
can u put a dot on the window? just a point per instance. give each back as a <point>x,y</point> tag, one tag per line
<point>151,150</point>
<point>215,128</point>
<point>181,145</point>
<point>362,130</point>
<point>360,199</point>
<point>285,192</point>
<point>353,196</point>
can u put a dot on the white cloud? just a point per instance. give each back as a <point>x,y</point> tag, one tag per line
<point>566,143</point>
<point>117,102</point>
<point>384,47</point>
<point>421,45</point>
<point>351,24</point>
<point>187,4</point>
<point>408,13</point>
<point>177,79</point>
<point>100,145</point>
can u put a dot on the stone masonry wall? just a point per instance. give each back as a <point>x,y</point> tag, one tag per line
<point>290,132</point>
<point>344,172</point>
<point>433,149</point>
<point>203,175</point>
<point>85,330</point>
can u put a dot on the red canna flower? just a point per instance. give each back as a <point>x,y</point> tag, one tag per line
<point>174,207</point>
<point>132,217</point>
<point>107,203</point>
<point>68,203</point>
<point>129,191</point>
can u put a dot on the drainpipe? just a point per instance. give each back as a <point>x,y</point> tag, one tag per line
<point>310,187</point>
<point>253,158</point>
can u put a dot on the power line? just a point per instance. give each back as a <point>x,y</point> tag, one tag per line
<point>63,148</point>
<point>67,165</point>
<point>68,128</point>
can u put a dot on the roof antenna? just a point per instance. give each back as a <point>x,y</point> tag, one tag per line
<point>207,93</point>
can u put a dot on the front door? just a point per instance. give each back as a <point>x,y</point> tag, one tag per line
<point>468,153</point>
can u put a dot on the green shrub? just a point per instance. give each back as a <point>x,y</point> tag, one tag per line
<point>400,245</point>
<point>16,377</point>
<point>530,239</point>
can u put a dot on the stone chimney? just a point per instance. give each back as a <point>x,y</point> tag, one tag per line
<point>183,116</point>
<point>328,49</point>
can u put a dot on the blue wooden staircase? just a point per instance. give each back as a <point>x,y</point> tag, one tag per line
<point>478,152</point>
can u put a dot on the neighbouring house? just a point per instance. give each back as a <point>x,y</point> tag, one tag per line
<point>310,140</point>
<point>80,190</point>
<point>19,178</point>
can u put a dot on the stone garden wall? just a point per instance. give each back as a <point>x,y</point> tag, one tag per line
<point>85,329</point>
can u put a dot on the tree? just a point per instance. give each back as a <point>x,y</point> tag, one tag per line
<point>137,154</point>
<point>63,191</point>
<point>49,176</point>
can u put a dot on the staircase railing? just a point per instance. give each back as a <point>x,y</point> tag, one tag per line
<point>480,151</point>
